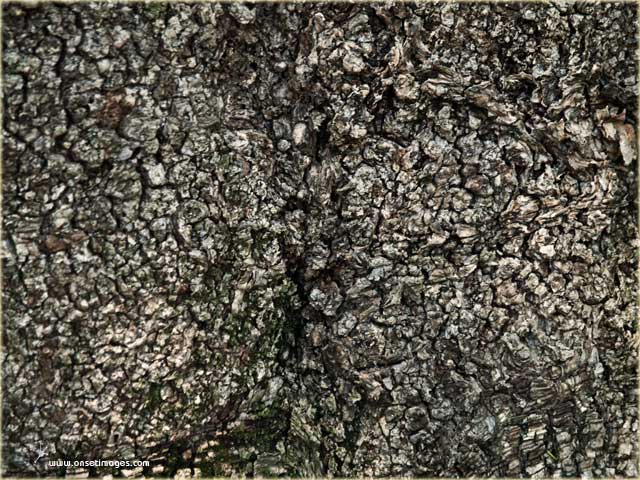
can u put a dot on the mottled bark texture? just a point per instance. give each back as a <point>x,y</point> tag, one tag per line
<point>321,239</point>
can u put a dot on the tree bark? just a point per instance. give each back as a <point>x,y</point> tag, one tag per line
<point>320,239</point>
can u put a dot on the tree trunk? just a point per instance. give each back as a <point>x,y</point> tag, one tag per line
<point>339,240</point>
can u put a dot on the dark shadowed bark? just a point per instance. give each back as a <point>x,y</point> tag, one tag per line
<point>301,239</point>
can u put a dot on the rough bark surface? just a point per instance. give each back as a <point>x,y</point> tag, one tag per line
<point>300,239</point>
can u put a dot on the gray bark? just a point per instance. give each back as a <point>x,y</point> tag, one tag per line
<point>301,239</point>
